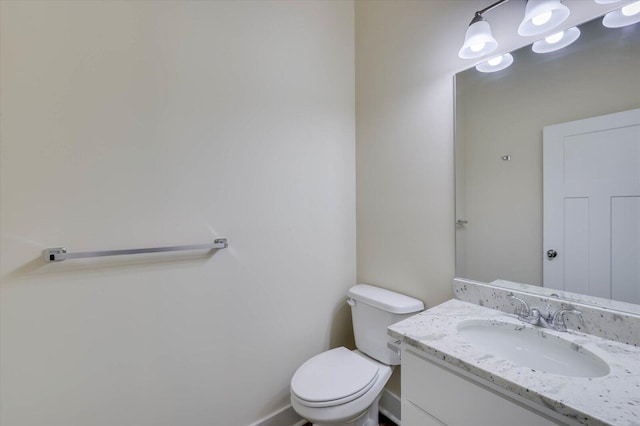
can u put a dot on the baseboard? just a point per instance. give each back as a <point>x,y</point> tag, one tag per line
<point>283,417</point>
<point>390,406</point>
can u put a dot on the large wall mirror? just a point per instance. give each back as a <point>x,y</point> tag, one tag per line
<point>500,119</point>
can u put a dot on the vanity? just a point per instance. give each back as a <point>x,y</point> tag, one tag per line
<point>463,363</point>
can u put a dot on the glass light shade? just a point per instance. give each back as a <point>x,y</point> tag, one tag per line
<point>496,64</point>
<point>478,41</point>
<point>627,15</point>
<point>541,16</point>
<point>607,1</point>
<point>555,42</point>
<point>631,9</point>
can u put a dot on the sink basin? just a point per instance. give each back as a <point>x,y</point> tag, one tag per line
<point>532,347</point>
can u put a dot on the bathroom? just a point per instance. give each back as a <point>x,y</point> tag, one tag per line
<point>316,136</point>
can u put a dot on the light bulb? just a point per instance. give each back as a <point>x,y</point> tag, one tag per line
<point>631,9</point>
<point>541,19</point>
<point>554,38</point>
<point>476,47</point>
<point>556,41</point>
<point>495,61</point>
<point>627,15</point>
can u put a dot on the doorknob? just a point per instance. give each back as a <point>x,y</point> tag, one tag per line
<point>551,253</point>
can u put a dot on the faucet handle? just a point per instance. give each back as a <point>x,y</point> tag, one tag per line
<point>558,320</point>
<point>523,311</point>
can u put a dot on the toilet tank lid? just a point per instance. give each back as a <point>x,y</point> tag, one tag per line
<point>386,300</point>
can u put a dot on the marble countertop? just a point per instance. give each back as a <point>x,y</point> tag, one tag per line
<point>613,399</point>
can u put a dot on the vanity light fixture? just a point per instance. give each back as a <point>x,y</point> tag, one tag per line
<point>556,41</point>
<point>626,15</point>
<point>497,63</point>
<point>541,16</point>
<point>478,40</point>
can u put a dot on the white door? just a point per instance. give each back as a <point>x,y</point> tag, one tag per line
<point>591,189</point>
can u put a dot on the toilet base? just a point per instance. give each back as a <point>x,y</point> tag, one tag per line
<point>368,418</point>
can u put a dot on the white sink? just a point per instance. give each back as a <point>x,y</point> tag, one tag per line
<point>532,347</point>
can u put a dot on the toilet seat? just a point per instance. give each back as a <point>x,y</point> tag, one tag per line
<point>333,377</point>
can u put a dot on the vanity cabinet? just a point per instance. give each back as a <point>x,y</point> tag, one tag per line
<point>434,395</point>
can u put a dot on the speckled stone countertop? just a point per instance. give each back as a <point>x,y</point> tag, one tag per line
<point>613,399</point>
<point>605,318</point>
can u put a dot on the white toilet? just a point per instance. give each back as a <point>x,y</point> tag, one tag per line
<point>343,387</point>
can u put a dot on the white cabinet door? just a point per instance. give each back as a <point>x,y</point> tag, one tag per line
<point>412,415</point>
<point>433,395</point>
<point>591,187</point>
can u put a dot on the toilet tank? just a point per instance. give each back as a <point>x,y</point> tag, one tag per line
<point>373,309</point>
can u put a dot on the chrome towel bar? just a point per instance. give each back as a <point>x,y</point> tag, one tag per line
<point>58,254</point>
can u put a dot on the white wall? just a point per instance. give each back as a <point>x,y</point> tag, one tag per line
<point>404,109</point>
<point>404,152</point>
<point>133,124</point>
<point>404,122</point>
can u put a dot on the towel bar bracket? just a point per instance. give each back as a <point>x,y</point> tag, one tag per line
<point>53,254</point>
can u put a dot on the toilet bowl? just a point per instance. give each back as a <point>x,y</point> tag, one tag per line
<point>339,387</point>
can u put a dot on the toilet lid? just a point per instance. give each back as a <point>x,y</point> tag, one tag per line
<point>332,377</point>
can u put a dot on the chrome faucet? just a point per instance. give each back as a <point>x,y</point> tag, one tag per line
<point>557,318</point>
<point>554,321</point>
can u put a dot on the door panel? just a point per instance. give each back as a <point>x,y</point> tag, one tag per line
<point>576,247</point>
<point>591,185</point>
<point>625,248</point>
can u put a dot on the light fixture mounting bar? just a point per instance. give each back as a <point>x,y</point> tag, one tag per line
<point>491,7</point>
